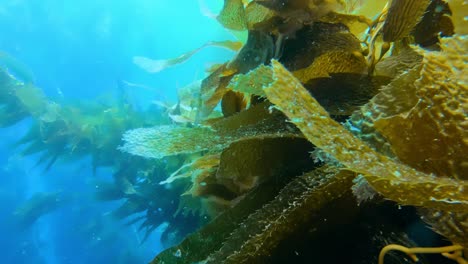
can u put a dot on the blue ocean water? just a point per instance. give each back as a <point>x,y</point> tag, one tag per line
<point>82,50</point>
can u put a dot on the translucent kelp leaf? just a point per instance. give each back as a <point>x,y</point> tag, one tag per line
<point>459,10</point>
<point>162,141</point>
<point>232,15</point>
<point>258,16</point>
<point>203,173</point>
<point>352,6</point>
<point>257,50</point>
<point>396,97</point>
<point>393,180</point>
<point>201,164</point>
<point>433,135</point>
<point>253,81</point>
<point>339,93</point>
<point>212,90</point>
<point>154,66</point>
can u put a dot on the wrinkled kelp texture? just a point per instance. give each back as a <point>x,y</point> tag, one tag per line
<point>403,138</point>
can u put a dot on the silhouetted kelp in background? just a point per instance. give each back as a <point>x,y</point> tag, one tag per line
<point>69,131</point>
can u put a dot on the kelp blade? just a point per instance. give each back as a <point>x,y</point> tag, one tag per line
<point>393,180</point>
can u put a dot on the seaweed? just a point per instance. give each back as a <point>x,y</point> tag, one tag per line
<point>325,77</point>
<point>70,130</point>
<point>320,145</point>
<point>232,16</point>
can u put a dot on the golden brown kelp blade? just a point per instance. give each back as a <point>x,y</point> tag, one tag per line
<point>396,97</point>
<point>433,135</point>
<point>249,162</point>
<point>199,245</point>
<point>459,10</point>
<point>259,17</point>
<point>212,90</point>
<point>318,39</point>
<point>258,50</point>
<point>301,201</point>
<point>393,180</point>
<point>402,17</point>
<point>232,15</point>
<point>340,94</point>
<point>343,93</point>
<point>232,103</point>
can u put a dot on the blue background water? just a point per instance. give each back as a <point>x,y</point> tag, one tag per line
<point>81,49</point>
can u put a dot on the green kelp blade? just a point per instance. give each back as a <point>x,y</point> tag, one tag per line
<point>395,181</point>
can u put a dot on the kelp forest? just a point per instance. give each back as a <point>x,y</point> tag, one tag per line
<point>337,128</point>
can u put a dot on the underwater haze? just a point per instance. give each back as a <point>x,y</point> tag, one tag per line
<point>84,51</point>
